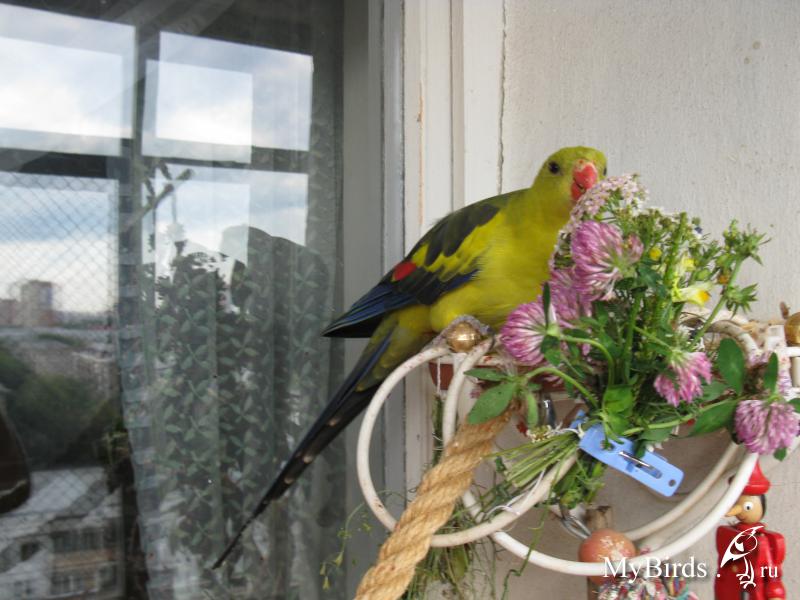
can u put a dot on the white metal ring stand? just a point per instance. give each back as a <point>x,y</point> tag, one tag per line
<point>494,526</point>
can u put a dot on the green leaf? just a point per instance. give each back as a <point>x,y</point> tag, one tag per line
<point>651,279</point>
<point>548,343</point>
<point>600,310</point>
<point>796,403</point>
<point>771,373</point>
<point>615,425</point>
<point>487,374</point>
<point>730,362</point>
<point>553,356</point>
<point>579,333</point>
<point>618,399</point>
<point>780,453</point>
<point>718,416</point>
<point>492,402</point>
<point>713,390</point>
<point>655,435</point>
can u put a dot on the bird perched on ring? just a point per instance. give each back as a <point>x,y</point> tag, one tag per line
<point>482,260</point>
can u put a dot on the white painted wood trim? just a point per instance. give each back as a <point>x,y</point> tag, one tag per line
<point>453,99</point>
<point>478,89</point>
<point>427,129</point>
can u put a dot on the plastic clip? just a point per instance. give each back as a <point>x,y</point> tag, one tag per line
<point>650,469</point>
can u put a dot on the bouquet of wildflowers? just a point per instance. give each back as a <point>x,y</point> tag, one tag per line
<point>622,326</point>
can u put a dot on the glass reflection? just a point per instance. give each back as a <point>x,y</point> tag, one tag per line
<point>207,203</point>
<point>68,87</point>
<point>209,99</point>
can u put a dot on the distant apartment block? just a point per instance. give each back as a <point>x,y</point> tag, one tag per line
<point>9,309</point>
<point>36,304</point>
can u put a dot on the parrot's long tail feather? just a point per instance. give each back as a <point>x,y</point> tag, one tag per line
<point>345,405</point>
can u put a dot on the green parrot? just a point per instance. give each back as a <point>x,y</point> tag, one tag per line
<point>482,260</point>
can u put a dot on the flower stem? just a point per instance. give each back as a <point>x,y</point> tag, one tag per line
<point>671,263</point>
<point>637,304</point>
<point>653,338</point>
<point>670,424</point>
<point>561,375</point>
<point>599,346</point>
<point>717,307</point>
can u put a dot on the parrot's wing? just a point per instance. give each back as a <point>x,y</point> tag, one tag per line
<point>445,258</point>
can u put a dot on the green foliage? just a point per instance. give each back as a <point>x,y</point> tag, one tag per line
<point>716,417</point>
<point>771,374</point>
<point>13,372</point>
<point>618,399</point>
<point>492,402</point>
<point>59,419</point>
<point>730,363</point>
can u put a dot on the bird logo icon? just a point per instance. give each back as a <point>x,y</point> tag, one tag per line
<point>739,548</point>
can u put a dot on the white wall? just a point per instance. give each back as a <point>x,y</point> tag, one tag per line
<point>703,100</point>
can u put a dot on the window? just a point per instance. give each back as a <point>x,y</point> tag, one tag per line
<point>61,584</point>
<point>90,539</point>
<point>107,577</point>
<point>28,549</point>
<point>64,541</point>
<point>23,589</point>
<point>172,230</point>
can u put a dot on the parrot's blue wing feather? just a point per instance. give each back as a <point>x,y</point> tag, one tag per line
<point>365,314</point>
<point>422,287</point>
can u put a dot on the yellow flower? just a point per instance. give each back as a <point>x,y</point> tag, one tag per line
<point>696,294</point>
<point>655,253</point>
<point>685,265</point>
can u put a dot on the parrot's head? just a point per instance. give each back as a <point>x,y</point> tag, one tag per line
<point>567,174</point>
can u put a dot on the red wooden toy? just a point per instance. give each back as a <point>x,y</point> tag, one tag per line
<point>749,556</point>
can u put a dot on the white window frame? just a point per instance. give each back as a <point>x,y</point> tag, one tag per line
<point>453,80</point>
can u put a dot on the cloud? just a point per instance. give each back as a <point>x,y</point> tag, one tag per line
<point>281,84</point>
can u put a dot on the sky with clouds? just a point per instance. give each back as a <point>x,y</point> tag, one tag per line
<point>70,88</point>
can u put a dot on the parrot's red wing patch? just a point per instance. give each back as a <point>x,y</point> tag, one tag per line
<point>403,270</point>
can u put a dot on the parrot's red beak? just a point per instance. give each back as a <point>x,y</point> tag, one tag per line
<point>584,176</point>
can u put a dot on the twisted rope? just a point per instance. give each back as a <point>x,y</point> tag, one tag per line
<point>436,498</point>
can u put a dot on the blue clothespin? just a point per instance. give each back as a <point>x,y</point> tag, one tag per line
<point>651,469</point>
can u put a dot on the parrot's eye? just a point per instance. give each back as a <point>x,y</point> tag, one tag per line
<point>747,506</point>
<point>553,167</point>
